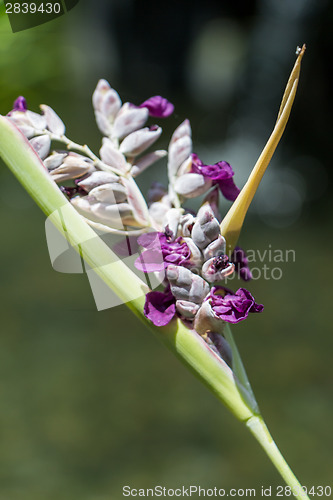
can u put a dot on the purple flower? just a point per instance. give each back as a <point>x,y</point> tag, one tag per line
<point>20,104</point>
<point>160,252</point>
<point>232,307</point>
<point>158,106</point>
<point>239,258</point>
<point>160,307</point>
<point>220,173</point>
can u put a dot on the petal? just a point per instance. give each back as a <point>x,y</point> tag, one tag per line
<point>150,261</point>
<point>159,308</point>
<point>158,106</point>
<point>229,189</point>
<point>149,240</point>
<point>20,104</point>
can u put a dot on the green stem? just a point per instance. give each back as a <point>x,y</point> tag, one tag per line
<point>186,344</point>
<point>258,428</point>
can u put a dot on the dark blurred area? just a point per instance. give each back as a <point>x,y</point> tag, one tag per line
<point>89,400</point>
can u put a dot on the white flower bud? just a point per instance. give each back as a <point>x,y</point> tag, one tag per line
<point>37,121</point>
<point>106,100</point>
<point>41,145</point>
<point>187,222</point>
<point>136,200</point>
<point>54,123</point>
<point>54,160</point>
<point>179,151</point>
<point>185,285</point>
<point>192,185</point>
<point>139,141</point>
<point>207,321</point>
<point>206,228</point>
<point>145,161</point>
<point>112,156</point>
<point>185,167</point>
<point>73,166</point>
<point>116,216</point>
<point>215,248</point>
<point>128,120</point>
<point>109,193</point>
<point>22,122</point>
<point>103,123</point>
<point>184,129</point>
<point>186,308</point>
<point>196,256</point>
<point>157,212</point>
<point>97,178</point>
<point>171,221</point>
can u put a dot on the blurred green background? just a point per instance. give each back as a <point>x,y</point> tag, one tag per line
<point>90,401</point>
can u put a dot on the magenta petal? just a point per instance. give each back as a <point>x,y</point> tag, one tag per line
<point>150,240</point>
<point>150,261</point>
<point>20,104</point>
<point>158,106</point>
<point>159,308</point>
<point>229,189</point>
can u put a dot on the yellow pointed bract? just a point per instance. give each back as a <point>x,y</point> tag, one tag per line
<point>232,223</point>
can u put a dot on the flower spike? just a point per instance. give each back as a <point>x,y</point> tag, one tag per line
<point>232,223</point>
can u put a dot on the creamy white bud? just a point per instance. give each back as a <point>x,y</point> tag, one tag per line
<point>103,123</point>
<point>184,129</point>
<point>54,160</point>
<point>116,215</point>
<point>22,122</point>
<point>136,201</point>
<point>215,248</point>
<point>109,193</point>
<point>196,255</point>
<point>192,185</point>
<point>27,131</point>
<point>112,156</point>
<point>97,178</point>
<point>83,205</point>
<point>110,104</point>
<point>185,167</point>
<point>171,221</point>
<point>157,212</point>
<point>54,123</point>
<point>106,101</point>
<point>186,222</point>
<point>128,120</point>
<point>139,141</point>
<point>145,161</point>
<point>206,320</point>
<point>37,121</point>
<point>186,285</point>
<point>179,151</point>
<point>41,145</point>
<point>206,228</point>
<point>73,166</point>
<point>186,308</point>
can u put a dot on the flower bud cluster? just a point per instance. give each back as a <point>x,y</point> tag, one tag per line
<point>187,249</point>
<point>193,258</point>
<point>104,190</point>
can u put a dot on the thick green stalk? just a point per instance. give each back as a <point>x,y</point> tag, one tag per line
<point>186,344</point>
